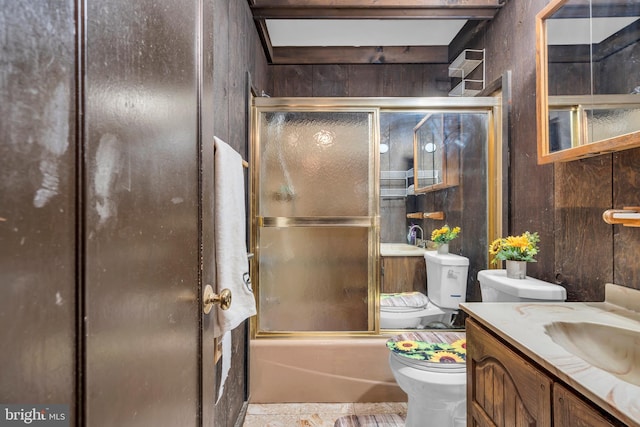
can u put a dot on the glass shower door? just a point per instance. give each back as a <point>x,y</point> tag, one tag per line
<point>315,210</point>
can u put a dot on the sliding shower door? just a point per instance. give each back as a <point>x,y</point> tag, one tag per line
<point>314,210</point>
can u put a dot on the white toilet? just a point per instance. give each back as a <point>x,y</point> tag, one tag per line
<point>495,286</point>
<point>410,310</point>
<point>437,388</point>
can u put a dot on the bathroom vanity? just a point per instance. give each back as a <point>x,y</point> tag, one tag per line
<point>555,364</point>
<point>403,268</point>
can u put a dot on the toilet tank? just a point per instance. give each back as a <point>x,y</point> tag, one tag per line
<point>446,279</point>
<point>495,286</point>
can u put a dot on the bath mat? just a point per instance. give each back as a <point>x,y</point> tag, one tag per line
<point>380,420</point>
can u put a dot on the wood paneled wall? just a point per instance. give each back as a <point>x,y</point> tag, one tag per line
<point>563,202</point>
<point>359,80</point>
<point>237,51</point>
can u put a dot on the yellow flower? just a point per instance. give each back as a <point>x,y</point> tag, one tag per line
<point>460,346</point>
<point>520,242</point>
<point>446,357</point>
<point>444,234</point>
<point>406,345</point>
<point>495,246</point>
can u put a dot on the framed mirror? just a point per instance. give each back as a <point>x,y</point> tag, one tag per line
<point>588,78</point>
<point>435,159</point>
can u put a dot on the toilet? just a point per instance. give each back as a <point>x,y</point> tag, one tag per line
<point>429,365</point>
<point>411,310</point>
<point>495,286</point>
<point>430,368</point>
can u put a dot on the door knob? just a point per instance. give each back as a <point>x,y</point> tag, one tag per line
<point>209,298</point>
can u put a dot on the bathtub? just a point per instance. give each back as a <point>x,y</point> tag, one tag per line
<point>321,370</point>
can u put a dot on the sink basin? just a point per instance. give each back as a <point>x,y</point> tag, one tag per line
<point>400,249</point>
<point>611,348</point>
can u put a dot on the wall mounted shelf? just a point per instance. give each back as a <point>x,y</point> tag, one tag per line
<point>462,68</point>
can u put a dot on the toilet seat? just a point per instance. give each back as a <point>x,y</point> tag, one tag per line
<point>443,352</point>
<point>403,301</point>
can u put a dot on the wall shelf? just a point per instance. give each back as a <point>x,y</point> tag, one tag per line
<point>462,67</point>
<point>395,184</point>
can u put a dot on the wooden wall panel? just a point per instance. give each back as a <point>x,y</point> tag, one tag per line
<point>237,52</point>
<point>330,80</point>
<point>626,192</point>
<point>359,80</point>
<point>582,193</point>
<point>563,202</point>
<point>365,80</point>
<point>291,80</point>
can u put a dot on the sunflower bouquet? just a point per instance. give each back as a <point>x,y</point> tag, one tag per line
<point>515,248</point>
<point>444,234</point>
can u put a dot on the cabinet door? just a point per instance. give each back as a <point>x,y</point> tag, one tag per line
<point>570,411</point>
<point>404,274</point>
<point>503,389</point>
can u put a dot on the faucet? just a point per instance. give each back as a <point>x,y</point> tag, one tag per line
<point>420,241</point>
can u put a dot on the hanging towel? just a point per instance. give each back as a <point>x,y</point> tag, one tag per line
<point>232,264</point>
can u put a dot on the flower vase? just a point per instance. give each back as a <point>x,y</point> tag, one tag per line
<point>516,269</point>
<point>443,249</point>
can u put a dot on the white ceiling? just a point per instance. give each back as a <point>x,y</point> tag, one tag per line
<point>362,32</point>
<point>578,30</point>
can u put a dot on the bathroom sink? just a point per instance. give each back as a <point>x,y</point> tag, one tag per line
<point>611,348</point>
<point>400,249</point>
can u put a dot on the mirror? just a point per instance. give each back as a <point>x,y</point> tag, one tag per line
<point>435,153</point>
<point>588,85</point>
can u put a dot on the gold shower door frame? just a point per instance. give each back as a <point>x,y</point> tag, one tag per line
<point>371,222</point>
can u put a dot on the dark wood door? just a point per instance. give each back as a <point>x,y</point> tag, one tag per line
<point>142,212</point>
<point>103,234</point>
<point>38,149</point>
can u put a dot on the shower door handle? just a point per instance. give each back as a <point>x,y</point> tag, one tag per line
<point>209,298</point>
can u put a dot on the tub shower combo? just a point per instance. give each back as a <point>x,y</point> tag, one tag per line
<point>316,231</point>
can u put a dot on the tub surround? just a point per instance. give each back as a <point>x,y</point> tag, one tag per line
<point>524,326</point>
<point>319,370</point>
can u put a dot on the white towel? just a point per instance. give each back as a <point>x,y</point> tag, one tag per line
<point>232,263</point>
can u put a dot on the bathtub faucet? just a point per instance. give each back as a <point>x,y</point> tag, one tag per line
<point>419,241</point>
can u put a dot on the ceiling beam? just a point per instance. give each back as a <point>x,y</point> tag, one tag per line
<point>375,9</point>
<point>360,55</point>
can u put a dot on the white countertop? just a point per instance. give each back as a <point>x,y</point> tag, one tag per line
<point>401,249</point>
<point>523,326</point>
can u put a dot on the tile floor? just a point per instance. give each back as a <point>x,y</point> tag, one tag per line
<point>314,414</point>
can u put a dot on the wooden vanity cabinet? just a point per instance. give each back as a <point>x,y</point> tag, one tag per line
<point>404,274</point>
<point>504,389</point>
<point>570,410</point>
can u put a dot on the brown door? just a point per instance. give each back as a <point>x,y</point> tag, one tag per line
<point>37,204</point>
<point>104,241</point>
<point>142,214</point>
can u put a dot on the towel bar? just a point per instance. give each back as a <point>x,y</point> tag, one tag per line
<point>628,216</point>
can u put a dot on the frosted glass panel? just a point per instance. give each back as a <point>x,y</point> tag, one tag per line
<point>315,164</point>
<point>609,123</point>
<point>313,279</point>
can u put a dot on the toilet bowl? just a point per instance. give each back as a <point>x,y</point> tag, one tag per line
<point>430,368</point>
<point>437,389</point>
<point>410,310</point>
<point>446,289</point>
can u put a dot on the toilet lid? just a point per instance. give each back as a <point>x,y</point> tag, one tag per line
<point>403,301</point>
<point>431,347</point>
